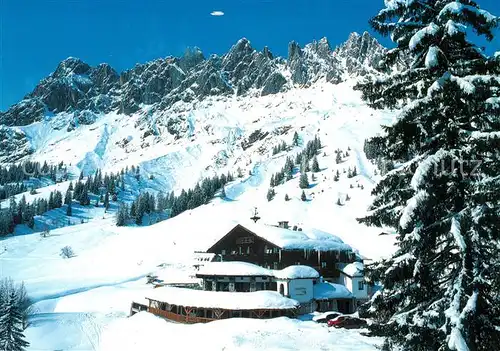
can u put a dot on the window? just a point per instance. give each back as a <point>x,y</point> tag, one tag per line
<point>361,285</point>
<point>223,252</point>
<point>300,291</point>
<point>275,265</point>
<point>248,250</point>
<point>239,250</point>
<point>323,264</point>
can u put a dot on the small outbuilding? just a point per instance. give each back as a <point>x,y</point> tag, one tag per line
<point>297,282</point>
<point>353,278</point>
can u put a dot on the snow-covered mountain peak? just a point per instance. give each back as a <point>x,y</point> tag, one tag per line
<point>80,93</point>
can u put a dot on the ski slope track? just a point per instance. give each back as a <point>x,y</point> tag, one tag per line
<point>81,303</point>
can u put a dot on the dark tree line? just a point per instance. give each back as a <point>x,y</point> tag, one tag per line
<point>17,173</point>
<point>12,177</point>
<point>9,190</point>
<point>279,148</point>
<point>302,159</point>
<point>23,212</point>
<point>147,203</point>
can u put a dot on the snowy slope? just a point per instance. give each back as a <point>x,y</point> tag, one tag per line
<point>95,287</point>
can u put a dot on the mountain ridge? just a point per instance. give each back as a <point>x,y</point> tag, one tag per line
<point>76,86</point>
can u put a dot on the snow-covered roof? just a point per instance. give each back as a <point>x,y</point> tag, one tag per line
<point>323,291</point>
<point>222,299</point>
<point>354,269</point>
<point>141,301</point>
<point>307,238</point>
<point>234,268</point>
<point>296,272</point>
<point>245,269</point>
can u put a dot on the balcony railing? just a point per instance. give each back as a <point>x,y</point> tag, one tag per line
<point>179,318</point>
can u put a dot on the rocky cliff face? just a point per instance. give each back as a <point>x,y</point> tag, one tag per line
<point>85,91</point>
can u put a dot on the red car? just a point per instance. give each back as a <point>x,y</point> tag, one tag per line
<point>347,322</point>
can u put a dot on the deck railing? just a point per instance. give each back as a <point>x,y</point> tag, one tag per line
<point>179,318</point>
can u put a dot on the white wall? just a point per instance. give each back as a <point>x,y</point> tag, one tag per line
<point>283,283</point>
<point>352,285</point>
<point>301,289</point>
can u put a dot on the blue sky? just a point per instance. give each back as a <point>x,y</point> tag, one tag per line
<point>37,34</point>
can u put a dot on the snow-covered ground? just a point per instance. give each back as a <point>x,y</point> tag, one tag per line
<point>147,332</point>
<point>81,302</point>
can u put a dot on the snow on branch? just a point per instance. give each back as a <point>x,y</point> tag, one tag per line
<point>416,40</point>
<point>460,10</point>
<point>432,57</point>
<point>455,230</point>
<point>465,84</point>
<point>430,164</point>
<point>453,28</point>
<point>411,206</point>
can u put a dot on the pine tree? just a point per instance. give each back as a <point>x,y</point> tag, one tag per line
<point>106,201</point>
<point>121,215</point>
<point>303,196</point>
<point>58,200</point>
<point>438,288</point>
<point>315,165</point>
<point>69,209</point>
<point>270,194</point>
<point>68,197</point>
<point>303,182</point>
<point>295,139</point>
<point>84,197</point>
<point>11,326</point>
<point>336,178</point>
<point>30,221</point>
<point>338,158</point>
<point>287,198</point>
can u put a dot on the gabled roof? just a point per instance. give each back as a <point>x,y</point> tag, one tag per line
<point>354,269</point>
<point>288,239</point>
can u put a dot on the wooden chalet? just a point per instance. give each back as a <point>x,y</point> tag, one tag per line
<point>280,247</point>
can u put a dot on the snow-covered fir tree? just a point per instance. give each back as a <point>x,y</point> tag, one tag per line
<point>315,165</point>
<point>303,196</point>
<point>11,326</point>
<point>443,198</point>
<point>303,181</point>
